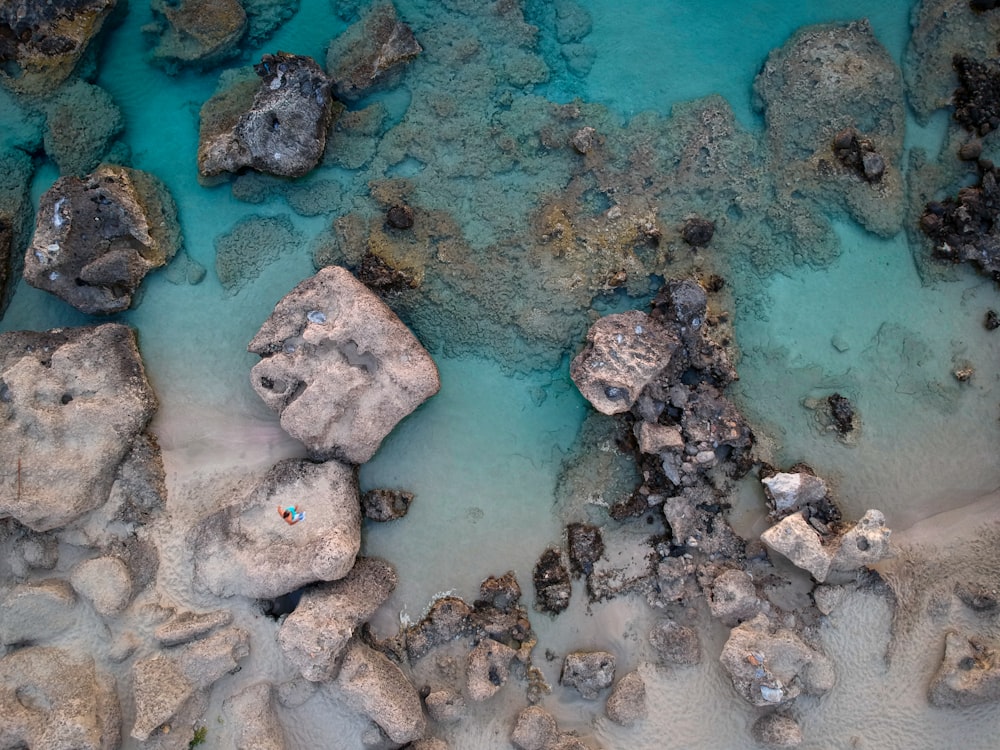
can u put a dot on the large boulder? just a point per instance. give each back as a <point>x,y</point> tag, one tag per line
<point>278,126</point>
<point>339,367</point>
<point>196,33</point>
<point>969,674</point>
<point>245,548</point>
<point>624,353</point>
<point>314,636</point>
<point>370,52</point>
<point>72,401</point>
<point>54,698</point>
<point>96,237</point>
<point>44,41</point>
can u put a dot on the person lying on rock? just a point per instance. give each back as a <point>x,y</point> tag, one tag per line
<point>291,514</point>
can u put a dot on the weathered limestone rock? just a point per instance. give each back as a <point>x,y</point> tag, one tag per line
<point>969,674</point>
<point>282,131</point>
<point>246,548</point>
<point>657,438</point>
<point>865,543</point>
<point>314,636</point>
<point>794,538</point>
<point>71,403</point>
<point>376,687</point>
<point>535,729</point>
<point>96,237</point>
<point>733,597</point>
<point>589,672</point>
<point>339,367</point>
<point>106,582</point>
<point>586,545</point>
<point>623,354</point>
<point>385,505</point>
<point>187,626</point>
<point>370,52</point>
<point>445,706</point>
<point>43,41</point>
<point>627,702</point>
<point>792,491</point>
<point>449,617</point>
<point>252,714</point>
<point>487,668</point>
<point>552,582</point>
<point>675,644</point>
<point>777,731</point>
<point>196,33</point>
<point>53,698</point>
<point>37,609</point>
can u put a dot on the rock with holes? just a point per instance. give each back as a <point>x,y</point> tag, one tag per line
<point>969,674</point>
<point>54,698</point>
<point>246,548</point>
<point>589,672</point>
<point>488,668</point>
<point>339,367</point>
<point>72,402</point>
<point>96,237</point>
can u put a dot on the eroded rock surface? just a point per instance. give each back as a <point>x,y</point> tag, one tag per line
<point>969,674</point>
<point>627,702</point>
<point>339,367</point>
<point>589,672</point>
<point>196,33</point>
<point>253,714</point>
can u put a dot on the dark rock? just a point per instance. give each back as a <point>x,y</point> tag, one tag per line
<point>552,582</point>
<point>991,321</point>
<point>585,546</point>
<point>448,618</point>
<point>984,5</point>
<point>857,153</point>
<point>698,232</point>
<point>399,216</point>
<point>382,278</point>
<point>842,412</point>
<point>969,674</point>
<point>675,644</point>
<point>501,592</point>
<point>583,140</point>
<point>977,98</point>
<point>385,505</point>
<point>970,150</point>
<point>589,672</point>
<point>978,597</point>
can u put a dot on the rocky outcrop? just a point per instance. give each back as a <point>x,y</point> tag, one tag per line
<point>106,582</point>
<point>245,548</point>
<point>196,33</point>
<point>627,702</point>
<point>313,637</point>
<point>370,53</point>
<point>72,402</point>
<point>487,668</point>
<point>97,237</point>
<point>54,698</point>
<point>382,505</point>
<point>43,42</point>
<point>254,717</point>
<point>553,587</point>
<point>589,672</point>
<point>278,126</point>
<point>536,729</point>
<point>339,367</point>
<point>969,674</point>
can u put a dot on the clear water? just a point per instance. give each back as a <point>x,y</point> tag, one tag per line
<point>484,456</point>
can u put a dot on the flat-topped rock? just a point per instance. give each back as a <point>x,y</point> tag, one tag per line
<point>196,33</point>
<point>96,237</point>
<point>72,401</point>
<point>339,367</point>
<point>246,548</point>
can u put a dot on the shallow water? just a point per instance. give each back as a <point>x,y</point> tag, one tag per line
<point>484,457</point>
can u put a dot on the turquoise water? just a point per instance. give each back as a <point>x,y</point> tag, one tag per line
<point>484,456</point>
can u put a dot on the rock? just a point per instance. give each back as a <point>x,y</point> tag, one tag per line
<point>552,582</point>
<point>399,216</point>
<point>376,687</point>
<point>733,597</point>
<point>370,53</point>
<point>339,367</point>
<point>978,597</point>
<point>697,232</point>
<point>195,33</point>
<point>106,582</point>
<point>991,321</point>
<point>44,42</point>
<point>487,668</point>
<point>449,617</point>
<point>315,634</point>
<point>583,140</point>
<point>54,698</point>
<point>500,592</point>
<point>81,120</point>
<point>842,412</point>
<point>977,97</point>
<point>797,540</point>
<point>295,692</point>
<point>963,373</point>
<point>33,551</point>
<point>589,672</point>
<point>864,544</point>
<point>445,706</point>
<point>792,491</point>
<point>771,666</point>
<point>675,644</point>
<point>585,547</point>
<point>252,714</point>
<point>627,702</point>
<point>187,626</point>
<point>385,505</point>
<point>624,353</point>
<point>969,674</point>
<point>535,729</point>
<point>657,438</point>
<point>245,548</point>
<point>37,610</point>
<point>282,131</point>
<point>97,237</point>
<point>777,731</point>
<point>858,154</point>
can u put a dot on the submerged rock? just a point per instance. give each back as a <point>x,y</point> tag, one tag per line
<point>969,674</point>
<point>627,702</point>
<point>198,33</point>
<point>733,597</point>
<point>37,610</point>
<point>589,672</point>
<point>105,582</point>
<point>339,367</point>
<point>487,668</point>
<point>534,729</point>
<point>586,546</point>
<point>777,731</point>
<point>698,232</point>
<point>552,582</point>
<point>72,402</point>
<point>188,626</point>
<point>675,644</point>
<point>385,505</point>
<point>97,237</point>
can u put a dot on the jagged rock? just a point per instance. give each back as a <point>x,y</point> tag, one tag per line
<point>278,127</point>
<point>54,698</point>
<point>792,491</point>
<point>623,354</point>
<point>535,729</point>
<point>339,367</point>
<point>857,153</point>
<point>698,232</point>
<point>585,547</point>
<point>733,597</point>
<point>246,548</point>
<point>991,320</point>
<point>187,626</point>
<point>487,668</point>
<point>385,505</point>
<point>865,543</point>
<point>314,636</point>
<point>196,33</point>
<point>978,597</point>
<point>445,706</point>
<point>399,216</point>
<point>675,644</point>
<point>96,237</point>
<point>106,582</point>
<point>771,666</point>
<point>589,672</point>
<point>376,687</point>
<point>697,523</point>
<point>583,140</point>
<point>252,714</point>
<point>552,582</point>
<point>842,413</point>
<point>36,610</point>
<point>449,617</point>
<point>627,702</point>
<point>655,438</point>
<point>370,52</point>
<point>777,731</point>
<point>797,540</point>
<point>44,41</point>
<point>500,592</point>
<point>969,674</point>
